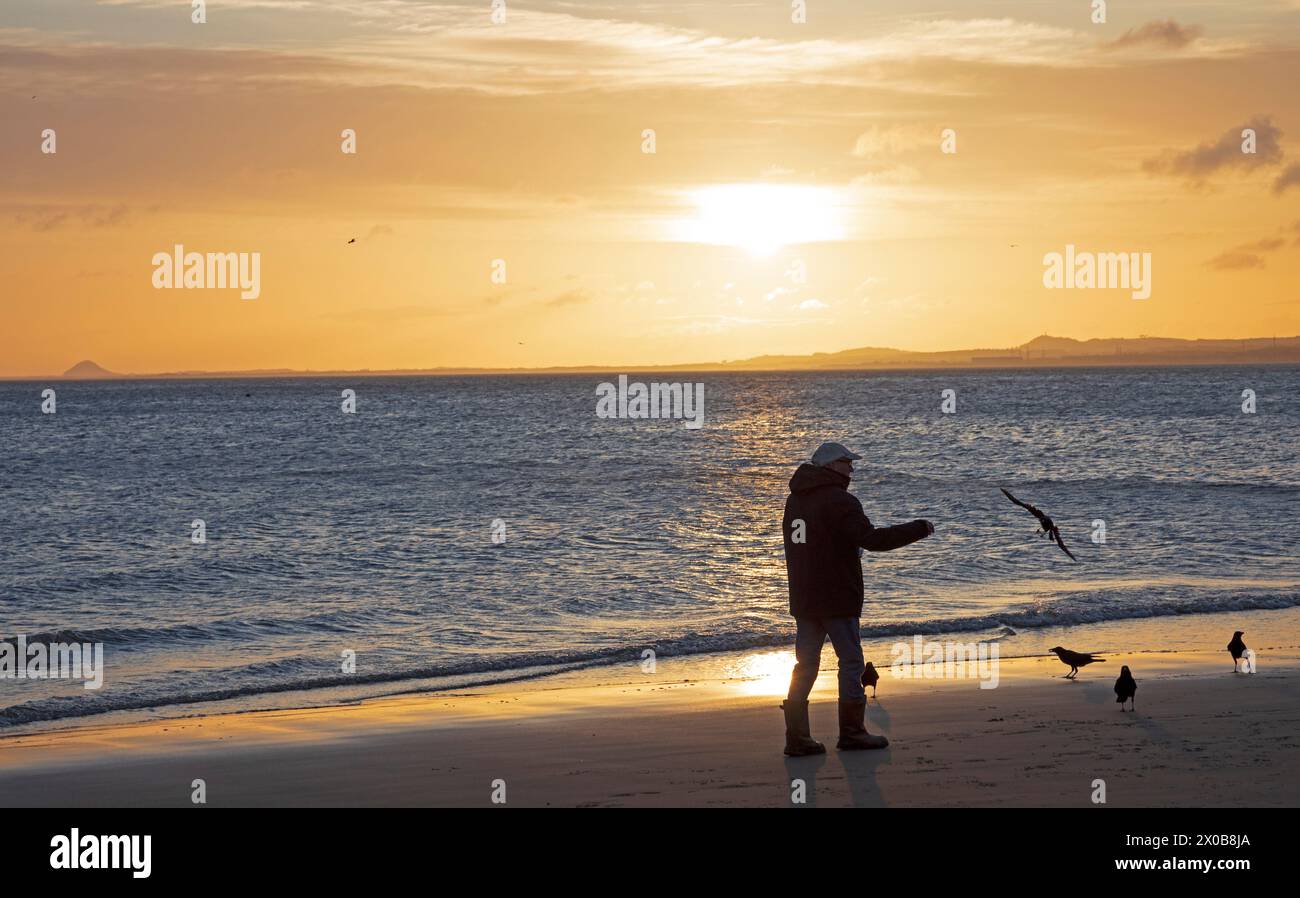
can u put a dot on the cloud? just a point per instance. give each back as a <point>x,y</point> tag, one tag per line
<point>1290,177</point>
<point>571,298</point>
<point>890,141</point>
<point>51,218</point>
<point>389,313</point>
<point>1267,245</point>
<point>1247,256</point>
<point>1235,260</point>
<point>812,305</point>
<point>1166,34</point>
<point>457,47</point>
<point>1225,153</point>
<point>887,175</point>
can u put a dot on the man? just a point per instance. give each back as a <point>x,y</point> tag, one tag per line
<point>825,531</point>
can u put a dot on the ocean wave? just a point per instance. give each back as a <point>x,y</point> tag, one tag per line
<point>207,631</point>
<point>293,676</point>
<point>876,476</point>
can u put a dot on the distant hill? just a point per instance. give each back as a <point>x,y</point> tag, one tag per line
<point>88,370</point>
<point>1048,351</point>
<point>1041,352</point>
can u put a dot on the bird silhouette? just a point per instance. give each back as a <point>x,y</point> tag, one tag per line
<point>1126,688</point>
<point>870,678</point>
<point>1237,648</point>
<point>1075,660</point>
<point>1050,530</point>
<point>353,240</point>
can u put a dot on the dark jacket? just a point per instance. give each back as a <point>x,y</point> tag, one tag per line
<point>824,569</point>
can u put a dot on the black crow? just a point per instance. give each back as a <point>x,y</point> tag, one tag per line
<point>870,678</point>
<point>1074,659</point>
<point>1237,648</point>
<point>1050,530</point>
<point>1126,688</point>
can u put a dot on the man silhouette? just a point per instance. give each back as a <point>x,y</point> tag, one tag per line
<point>825,530</point>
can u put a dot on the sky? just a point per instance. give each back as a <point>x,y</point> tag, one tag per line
<point>883,174</point>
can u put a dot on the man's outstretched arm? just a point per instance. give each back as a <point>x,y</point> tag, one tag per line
<point>884,539</point>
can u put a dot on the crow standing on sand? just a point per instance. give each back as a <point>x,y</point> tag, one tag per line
<point>870,678</point>
<point>1075,660</point>
<point>1126,688</point>
<point>1237,648</point>
<point>1050,530</point>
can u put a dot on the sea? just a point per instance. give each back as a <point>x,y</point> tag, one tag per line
<point>248,542</point>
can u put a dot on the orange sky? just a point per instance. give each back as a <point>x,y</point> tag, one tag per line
<point>781,148</point>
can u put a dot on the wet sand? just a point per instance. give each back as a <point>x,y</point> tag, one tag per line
<point>1202,736</point>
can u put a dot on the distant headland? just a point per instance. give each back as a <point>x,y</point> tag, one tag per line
<point>1041,352</point>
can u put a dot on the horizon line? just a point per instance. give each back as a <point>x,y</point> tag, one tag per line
<point>906,359</point>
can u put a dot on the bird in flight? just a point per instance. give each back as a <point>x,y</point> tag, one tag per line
<point>353,240</point>
<point>1126,688</point>
<point>1238,648</point>
<point>1050,530</point>
<point>1075,660</point>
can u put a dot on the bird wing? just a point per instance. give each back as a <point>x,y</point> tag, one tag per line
<point>1056,534</point>
<point>1025,505</point>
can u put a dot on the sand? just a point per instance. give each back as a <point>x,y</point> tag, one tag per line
<point>1202,736</point>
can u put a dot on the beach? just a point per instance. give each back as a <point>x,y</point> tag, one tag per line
<point>296,606</point>
<point>706,732</point>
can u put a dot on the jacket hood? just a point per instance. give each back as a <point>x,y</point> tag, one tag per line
<point>810,477</point>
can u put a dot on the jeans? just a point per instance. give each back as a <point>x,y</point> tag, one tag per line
<point>847,642</point>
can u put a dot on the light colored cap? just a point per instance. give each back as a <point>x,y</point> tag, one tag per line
<point>832,452</point>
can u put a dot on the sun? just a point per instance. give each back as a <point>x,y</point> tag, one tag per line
<point>762,218</point>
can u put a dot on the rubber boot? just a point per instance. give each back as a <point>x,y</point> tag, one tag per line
<point>798,739</point>
<point>853,734</point>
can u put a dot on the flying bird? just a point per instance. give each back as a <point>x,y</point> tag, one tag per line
<point>870,678</point>
<point>1237,648</point>
<point>1050,530</point>
<point>353,240</point>
<point>1126,688</point>
<point>1075,660</point>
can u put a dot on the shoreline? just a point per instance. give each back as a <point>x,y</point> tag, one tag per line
<point>707,732</point>
<point>1173,633</point>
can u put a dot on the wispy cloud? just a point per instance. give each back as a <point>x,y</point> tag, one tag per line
<point>458,47</point>
<point>569,298</point>
<point>1290,177</point>
<point>1166,34</point>
<point>1235,260</point>
<point>1226,153</point>
<point>53,217</point>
